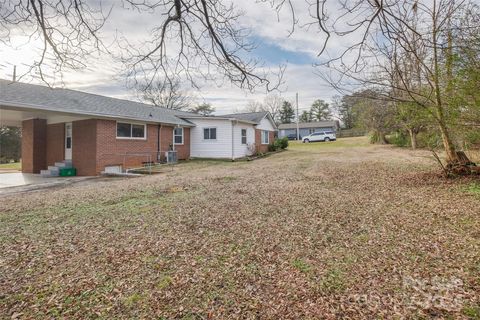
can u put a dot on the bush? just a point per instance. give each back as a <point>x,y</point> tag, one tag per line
<point>278,144</point>
<point>400,139</point>
<point>283,143</point>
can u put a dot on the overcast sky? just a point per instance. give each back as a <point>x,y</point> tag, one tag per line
<point>274,47</point>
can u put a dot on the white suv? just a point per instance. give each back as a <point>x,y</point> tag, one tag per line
<point>320,136</point>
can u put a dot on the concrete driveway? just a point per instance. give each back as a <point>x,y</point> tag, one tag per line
<point>20,182</point>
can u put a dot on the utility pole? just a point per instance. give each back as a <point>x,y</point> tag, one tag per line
<point>14,73</point>
<point>298,130</point>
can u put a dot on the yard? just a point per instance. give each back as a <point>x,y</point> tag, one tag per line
<point>11,166</point>
<point>324,230</point>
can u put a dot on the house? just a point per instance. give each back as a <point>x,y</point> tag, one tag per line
<point>94,132</point>
<point>306,128</point>
<point>231,136</point>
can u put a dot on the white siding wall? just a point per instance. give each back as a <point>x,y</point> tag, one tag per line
<point>265,124</point>
<point>240,149</point>
<point>220,148</point>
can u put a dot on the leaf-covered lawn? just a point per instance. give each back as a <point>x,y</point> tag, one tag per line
<point>319,231</point>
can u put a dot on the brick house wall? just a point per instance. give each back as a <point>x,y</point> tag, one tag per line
<point>106,150</point>
<point>258,140</point>
<point>34,141</point>
<point>94,145</point>
<point>55,143</point>
<point>84,147</point>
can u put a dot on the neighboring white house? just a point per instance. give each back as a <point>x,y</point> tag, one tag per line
<point>231,136</point>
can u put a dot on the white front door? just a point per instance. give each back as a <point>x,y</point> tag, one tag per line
<point>68,141</point>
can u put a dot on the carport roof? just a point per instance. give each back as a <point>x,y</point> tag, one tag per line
<point>35,97</point>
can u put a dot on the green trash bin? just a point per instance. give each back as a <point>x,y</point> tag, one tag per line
<point>68,172</point>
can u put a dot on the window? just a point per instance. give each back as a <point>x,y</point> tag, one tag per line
<point>138,131</point>
<point>244,136</point>
<point>130,130</point>
<point>209,133</point>
<point>265,137</point>
<point>178,136</point>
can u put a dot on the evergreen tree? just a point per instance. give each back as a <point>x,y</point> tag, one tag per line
<point>306,116</point>
<point>320,110</point>
<point>287,114</point>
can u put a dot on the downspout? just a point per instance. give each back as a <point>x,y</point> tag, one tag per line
<point>233,140</point>
<point>173,136</point>
<point>159,127</point>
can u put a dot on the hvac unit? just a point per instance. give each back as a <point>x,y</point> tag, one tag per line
<point>171,156</point>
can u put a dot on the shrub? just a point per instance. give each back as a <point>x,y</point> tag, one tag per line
<point>400,139</point>
<point>283,143</point>
<point>278,144</point>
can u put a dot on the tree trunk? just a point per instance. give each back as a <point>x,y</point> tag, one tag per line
<point>452,156</point>
<point>413,138</point>
<point>382,139</point>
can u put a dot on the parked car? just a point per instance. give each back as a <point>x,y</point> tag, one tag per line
<point>320,136</point>
<point>293,136</point>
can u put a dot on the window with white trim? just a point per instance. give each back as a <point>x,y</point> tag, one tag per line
<point>265,137</point>
<point>244,136</point>
<point>131,130</point>
<point>209,133</point>
<point>178,136</point>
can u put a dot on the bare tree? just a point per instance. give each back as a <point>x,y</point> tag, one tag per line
<point>253,106</point>
<point>196,39</point>
<point>272,103</point>
<point>405,54</point>
<point>69,31</point>
<point>166,95</point>
<point>201,38</point>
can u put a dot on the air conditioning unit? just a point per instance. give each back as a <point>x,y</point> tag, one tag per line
<point>171,156</point>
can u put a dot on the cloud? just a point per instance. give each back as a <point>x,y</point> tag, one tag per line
<point>271,33</point>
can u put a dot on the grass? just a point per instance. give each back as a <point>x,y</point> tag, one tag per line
<point>473,188</point>
<point>301,265</point>
<point>321,230</point>
<point>11,165</point>
<point>330,145</point>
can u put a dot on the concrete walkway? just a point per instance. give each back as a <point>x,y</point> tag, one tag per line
<point>22,182</point>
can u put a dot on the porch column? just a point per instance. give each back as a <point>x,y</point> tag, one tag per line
<point>34,145</point>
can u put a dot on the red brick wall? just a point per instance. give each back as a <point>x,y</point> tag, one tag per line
<point>111,151</point>
<point>258,140</point>
<point>84,146</point>
<point>55,143</point>
<point>183,150</point>
<point>166,139</point>
<point>34,135</point>
<point>94,145</point>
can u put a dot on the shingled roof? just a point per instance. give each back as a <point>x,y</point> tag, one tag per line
<point>313,124</point>
<point>30,96</point>
<point>255,117</point>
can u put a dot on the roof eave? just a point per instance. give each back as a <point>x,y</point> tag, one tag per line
<point>32,107</point>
